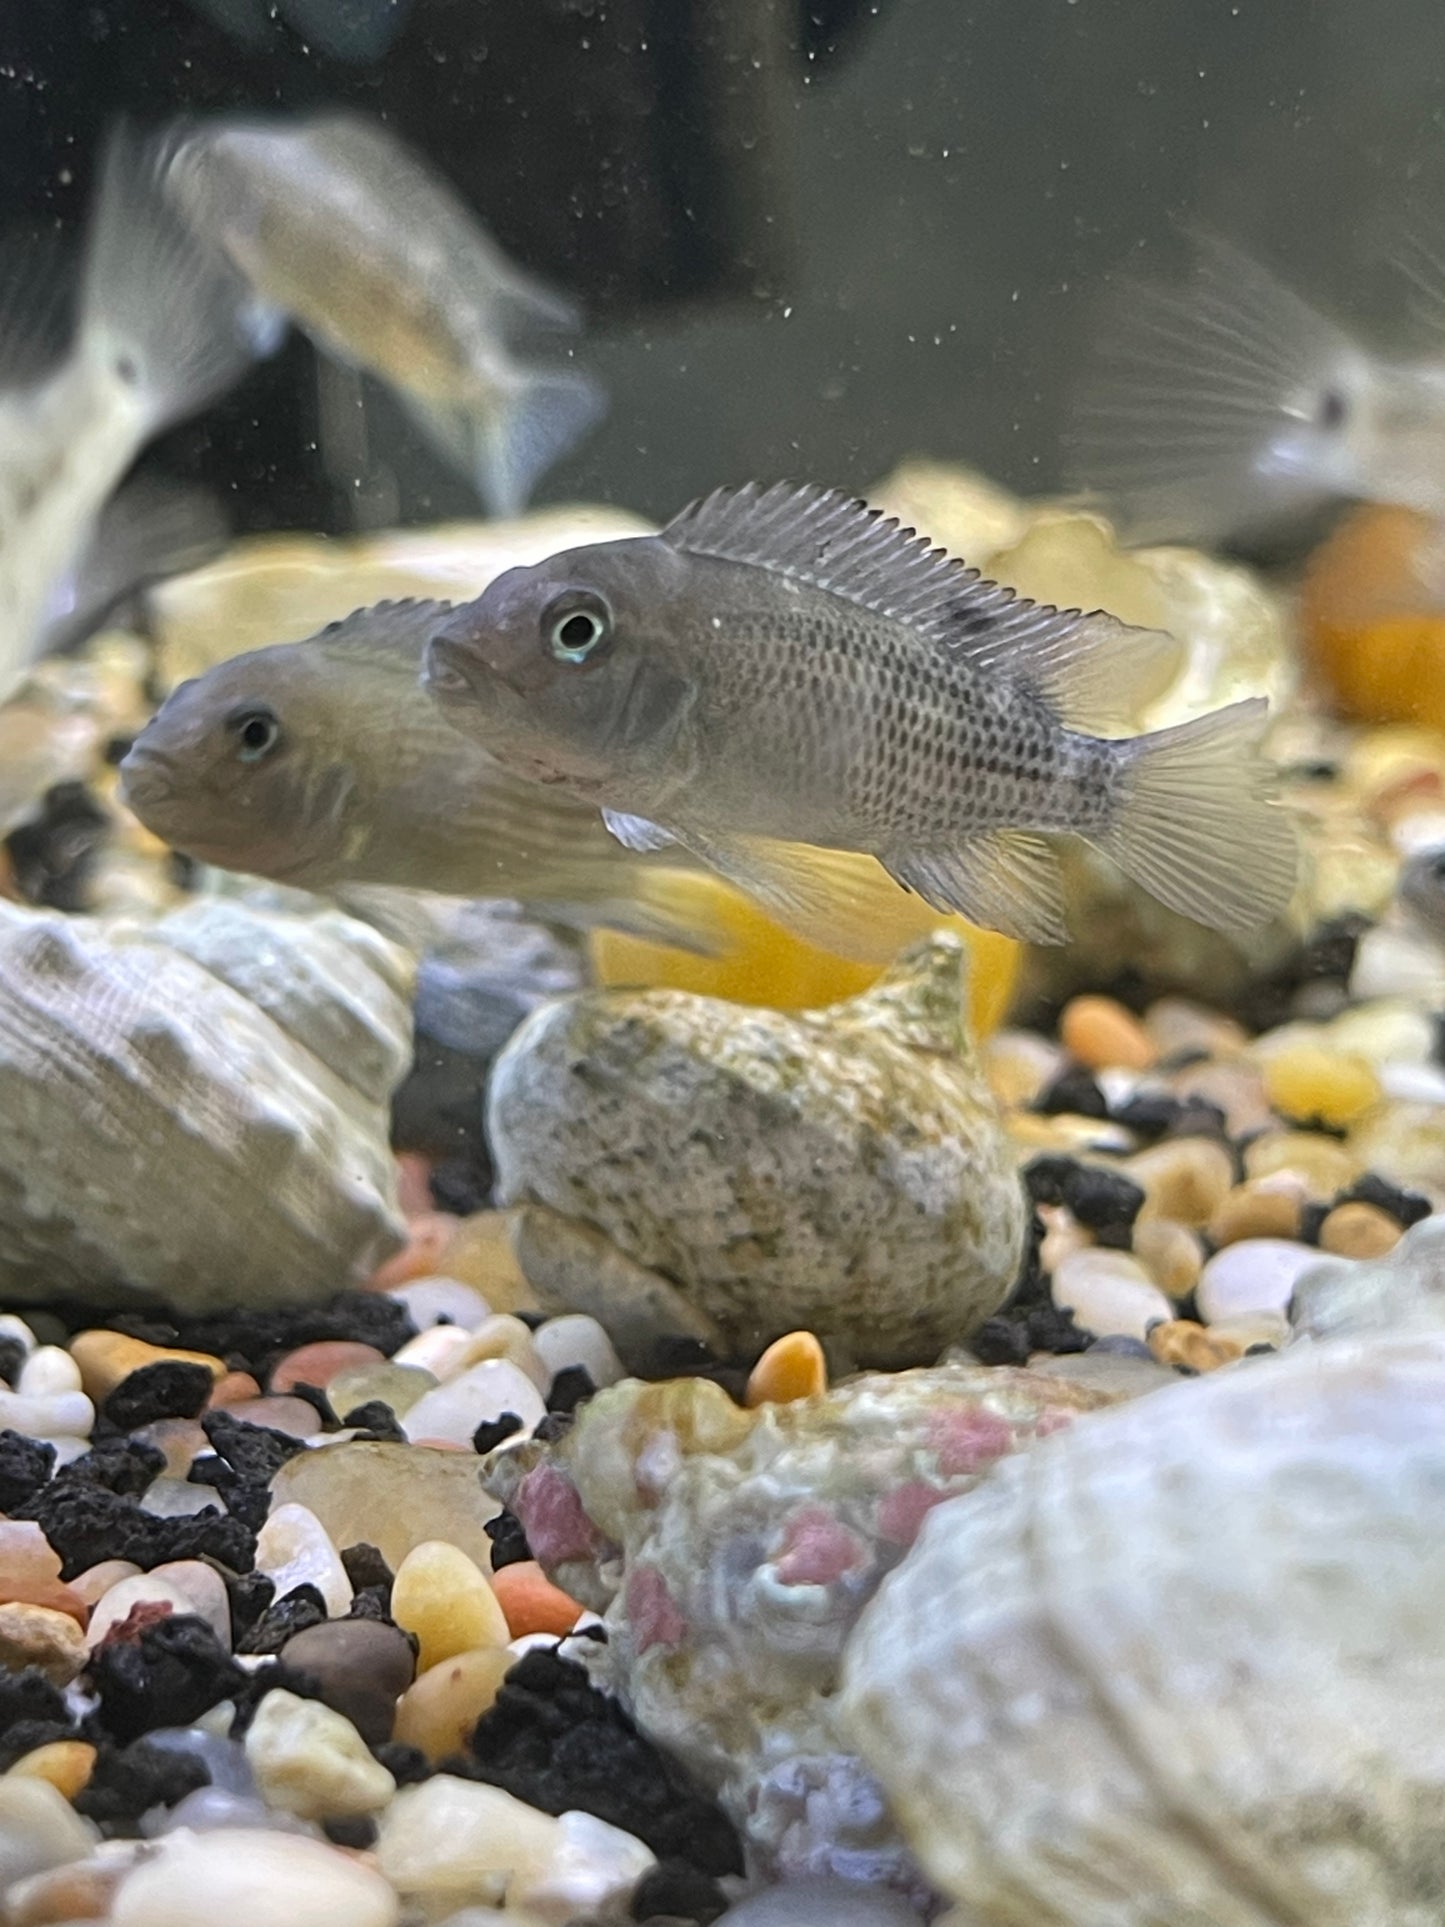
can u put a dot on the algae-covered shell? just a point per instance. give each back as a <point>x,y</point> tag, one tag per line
<point>196,1109</point>
<point>842,1169</point>
<point>1185,1663</point>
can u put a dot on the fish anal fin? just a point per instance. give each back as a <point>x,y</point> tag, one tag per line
<point>1004,880</point>
<point>636,832</point>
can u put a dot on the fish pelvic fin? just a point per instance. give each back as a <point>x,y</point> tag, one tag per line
<point>1198,827</point>
<point>636,832</point>
<point>160,305</point>
<point>1005,880</point>
<point>1218,406</point>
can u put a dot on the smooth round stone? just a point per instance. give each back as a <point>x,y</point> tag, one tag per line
<point>225,1760</point>
<point>39,1636</point>
<point>1100,1032</point>
<point>576,1340</point>
<point>248,1878</point>
<point>319,1363</point>
<point>1109,1293</point>
<point>439,1350</point>
<point>1184,1178</point>
<point>95,1582</point>
<point>458,1837</point>
<point>1359,1230</point>
<point>178,1498</point>
<point>1170,1253</point>
<point>361,1668</point>
<point>105,1358</point>
<point>1255,1275</point>
<point>66,1764</point>
<point>294,1549</point>
<point>206,1808</point>
<point>234,1389</point>
<point>26,1555</point>
<point>399,1386</point>
<point>591,1873</point>
<point>1308,1081</point>
<point>821,1903</point>
<point>205,1589</point>
<point>309,1760</point>
<point>481,1393</point>
<point>1413,1083</point>
<point>1324,1165</point>
<point>504,1336</point>
<point>438,1711</point>
<point>53,1415</point>
<point>447,1601</point>
<point>122,1599</point>
<point>16,1328</point>
<point>47,1371</point>
<point>441,1301</point>
<point>1386,1031</point>
<point>293,1416</point>
<point>39,1829</point>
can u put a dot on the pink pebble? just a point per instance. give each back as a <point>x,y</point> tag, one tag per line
<point>318,1364</point>
<point>291,1415</point>
<point>413,1184</point>
<point>904,1509</point>
<point>655,1616</point>
<point>233,1389</point>
<point>551,1514</point>
<point>427,1237</point>
<point>967,1440</point>
<point>817,1548</point>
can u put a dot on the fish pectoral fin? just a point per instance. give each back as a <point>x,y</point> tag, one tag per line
<point>840,901</point>
<point>1005,880</point>
<point>636,832</point>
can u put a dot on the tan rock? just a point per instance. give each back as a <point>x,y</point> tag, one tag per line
<point>38,1636</point>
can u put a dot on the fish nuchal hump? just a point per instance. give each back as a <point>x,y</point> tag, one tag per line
<point>1080,664</point>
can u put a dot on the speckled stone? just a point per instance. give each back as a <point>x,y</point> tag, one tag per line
<point>842,1171</point>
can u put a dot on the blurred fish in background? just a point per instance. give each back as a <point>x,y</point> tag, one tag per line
<point>337,224</point>
<point>1225,407</point>
<point>162,326</point>
<point>353,30</point>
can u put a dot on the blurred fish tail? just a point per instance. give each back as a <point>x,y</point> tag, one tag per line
<point>508,446</point>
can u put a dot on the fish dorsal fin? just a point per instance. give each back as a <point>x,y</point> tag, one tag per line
<point>383,630</point>
<point>1081,664</point>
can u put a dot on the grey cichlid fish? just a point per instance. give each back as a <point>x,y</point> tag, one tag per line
<point>324,764</point>
<point>785,663</point>
<point>1226,405</point>
<point>339,225</point>
<point>163,325</point>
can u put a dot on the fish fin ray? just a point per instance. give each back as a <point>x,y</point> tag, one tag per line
<point>508,449</point>
<point>1198,826</point>
<point>636,832</point>
<point>382,630</point>
<point>1004,880</point>
<point>36,294</point>
<point>1206,408</point>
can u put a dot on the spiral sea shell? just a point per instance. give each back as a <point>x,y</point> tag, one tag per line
<point>196,1109</point>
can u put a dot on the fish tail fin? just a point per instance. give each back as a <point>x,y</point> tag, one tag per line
<point>544,415</point>
<point>1197,825</point>
<point>160,306</point>
<point>1215,407</point>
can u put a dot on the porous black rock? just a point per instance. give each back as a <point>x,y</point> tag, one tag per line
<point>25,1466</point>
<point>172,1672</point>
<point>509,1542</point>
<point>675,1890</point>
<point>32,1713</point>
<point>292,1613</point>
<point>170,1388</point>
<point>127,1781</point>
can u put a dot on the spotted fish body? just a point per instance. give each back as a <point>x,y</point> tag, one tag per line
<point>785,663</point>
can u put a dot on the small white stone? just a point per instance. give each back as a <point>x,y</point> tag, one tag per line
<point>1390,962</point>
<point>55,1415</point>
<point>458,1837</point>
<point>482,1393</point>
<point>47,1371</point>
<point>311,1761</point>
<point>16,1328</point>
<point>1109,1293</point>
<point>1255,1275</point>
<point>1412,1083</point>
<point>145,1589</point>
<point>206,1590</point>
<point>593,1871</point>
<point>576,1339</point>
<point>178,1498</point>
<point>438,1350</point>
<point>503,1336</point>
<point>39,1829</point>
<point>252,1878</point>
<point>434,1301</point>
<point>294,1549</point>
<point>68,1450</point>
<point>1385,1031</point>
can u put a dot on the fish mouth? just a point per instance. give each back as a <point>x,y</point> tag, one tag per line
<point>146,777</point>
<point>449,670</point>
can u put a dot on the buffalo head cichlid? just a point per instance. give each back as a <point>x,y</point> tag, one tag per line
<point>784,663</point>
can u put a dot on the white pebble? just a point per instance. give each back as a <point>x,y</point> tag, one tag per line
<point>47,1371</point>
<point>482,1393</point>
<point>206,1590</point>
<point>1109,1293</point>
<point>1390,962</point>
<point>458,1837</point>
<point>311,1761</point>
<point>294,1549</point>
<point>68,1450</point>
<point>822,1903</point>
<point>438,1350</point>
<point>145,1589</point>
<point>56,1415</point>
<point>1255,1275</point>
<point>433,1301</point>
<point>576,1339</point>
<point>178,1498</point>
<point>1413,1083</point>
<point>1388,1030</point>
<point>16,1328</point>
<point>252,1879</point>
<point>593,1870</point>
<point>39,1829</point>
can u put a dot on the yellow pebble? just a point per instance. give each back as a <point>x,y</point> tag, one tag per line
<point>438,1711</point>
<point>1309,1082</point>
<point>1258,1208</point>
<point>480,1254</point>
<point>444,1598</point>
<point>104,1358</point>
<point>1184,1178</point>
<point>1323,1164</point>
<point>1181,1341</point>
<point>792,1367</point>
<point>1169,1252</point>
<point>67,1764</point>
<point>503,1336</point>
<point>1359,1230</point>
<point>1103,1035</point>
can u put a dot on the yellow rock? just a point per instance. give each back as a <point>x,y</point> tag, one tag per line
<point>1181,1341</point>
<point>1184,1178</point>
<point>772,967</point>
<point>104,1358</point>
<point>66,1764</point>
<point>40,1636</point>
<point>792,1367</point>
<point>1359,1230</point>
<point>1309,1082</point>
<point>438,1711</point>
<point>444,1598</point>
<point>1259,1208</point>
<point>1169,1252</point>
<point>480,1254</point>
<point>1324,1164</point>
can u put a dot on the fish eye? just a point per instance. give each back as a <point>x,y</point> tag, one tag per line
<point>256,730</point>
<point>577,626</point>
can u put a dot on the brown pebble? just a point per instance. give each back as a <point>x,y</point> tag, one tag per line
<point>234,1389</point>
<point>1182,1342</point>
<point>282,1414</point>
<point>480,1253</point>
<point>1359,1230</point>
<point>1101,1034</point>
<point>105,1358</point>
<point>66,1764</point>
<point>1170,1253</point>
<point>1186,1179</point>
<point>1324,1166</point>
<point>319,1363</point>
<point>361,1666</point>
<point>792,1367</point>
<point>1174,1025</point>
<point>1258,1208</point>
<point>40,1636</point>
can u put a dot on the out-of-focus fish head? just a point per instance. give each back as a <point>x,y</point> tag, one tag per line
<point>232,771</point>
<point>578,669</point>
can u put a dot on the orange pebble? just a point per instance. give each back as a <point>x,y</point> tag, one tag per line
<point>319,1363</point>
<point>1371,622</point>
<point>233,1389</point>
<point>66,1764</point>
<point>427,1236</point>
<point>530,1602</point>
<point>792,1367</point>
<point>1103,1035</point>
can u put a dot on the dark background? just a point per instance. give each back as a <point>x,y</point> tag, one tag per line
<point>814,236</point>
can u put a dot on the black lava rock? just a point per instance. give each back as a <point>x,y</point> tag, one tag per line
<point>1102,1200</point>
<point>492,1432</point>
<point>52,857</point>
<point>25,1466</point>
<point>86,1523</point>
<point>554,1741</point>
<point>509,1542</point>
<point>175,1670</point>
<point>168,1389</point>
<point>366,1569</point>
<point>998,1341</point>
<point>128,1781</point>
<point>1047,1176</point>
<point>353,1830</point>
<point>292,1613</point>
<point>245,1460</point>
<point>376,1420</point>
<point>254,1340</point>
<point>556,1425</point>
<point>32,1713</point>
<point>12,1357</point>
<point>1052,1330</point>
<point>1148,1114</point>
<point>1073,1091</point>
<point>673,1890</point>
<point>1405,1207</point>
<point>1312,1217</point>
<point>571,1387</point>
<point>249,1594</point>
<point>123,1466</point>
<point>407,1765</point>
<point>1197,1117</point>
